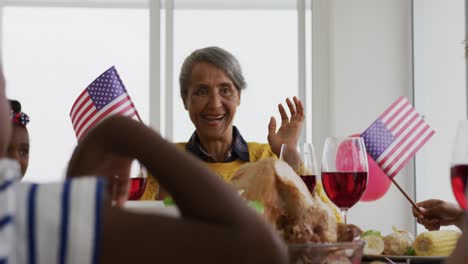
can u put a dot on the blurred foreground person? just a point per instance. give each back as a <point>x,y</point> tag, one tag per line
<point>73,222</point>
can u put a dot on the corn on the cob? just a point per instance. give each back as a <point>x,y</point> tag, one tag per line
<point>398,242</point>
<point>374,245</point>
<point>436,243</point>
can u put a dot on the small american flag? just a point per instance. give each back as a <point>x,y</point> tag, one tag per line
<point>104,97</point>
<point>395,137</point>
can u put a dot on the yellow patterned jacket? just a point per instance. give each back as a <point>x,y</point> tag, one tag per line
<point>225,171</point>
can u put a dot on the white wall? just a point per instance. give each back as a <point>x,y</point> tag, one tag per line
<point>369,66</point>
<point>440,89</point>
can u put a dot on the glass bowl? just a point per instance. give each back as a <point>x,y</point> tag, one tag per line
<point>324,253</point>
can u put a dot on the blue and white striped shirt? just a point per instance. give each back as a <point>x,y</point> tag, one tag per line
<point>49,223</point>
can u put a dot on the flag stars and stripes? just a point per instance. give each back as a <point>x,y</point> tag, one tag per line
<point>396,136</point>
<point>377,138</point>
<point>104,97</point>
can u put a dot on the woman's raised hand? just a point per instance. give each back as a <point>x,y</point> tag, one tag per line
<point>290,128</point>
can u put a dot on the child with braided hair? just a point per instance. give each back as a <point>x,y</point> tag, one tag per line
<point>18,147</point>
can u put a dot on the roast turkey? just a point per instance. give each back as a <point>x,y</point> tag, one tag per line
<point>289,206</point>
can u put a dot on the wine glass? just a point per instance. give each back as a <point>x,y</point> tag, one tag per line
<point>302,159</point>
<point>459,166</point>
<point>344,171</point>
<point>138,175</point>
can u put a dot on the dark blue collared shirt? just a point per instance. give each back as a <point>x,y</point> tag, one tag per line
<point>239,149</point>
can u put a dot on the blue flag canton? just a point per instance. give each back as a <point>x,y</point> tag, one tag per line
<point>377,138</point>
<point>106,88</point>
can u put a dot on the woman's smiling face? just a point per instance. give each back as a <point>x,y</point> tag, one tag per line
<point>211,101</point>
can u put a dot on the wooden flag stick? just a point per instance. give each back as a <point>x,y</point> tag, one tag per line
<point>139,118</point>
<point>406,195</point>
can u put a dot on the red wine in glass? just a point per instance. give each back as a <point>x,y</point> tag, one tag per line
<point>137,188</point>
<point>344,188</point>
<point>458,175</point>
<point>310,181</point>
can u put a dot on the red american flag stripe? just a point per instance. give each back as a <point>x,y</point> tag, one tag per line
<point>104,97</point>
<point>396,136</point>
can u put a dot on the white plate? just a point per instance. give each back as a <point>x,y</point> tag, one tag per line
<point>153,207</point>
<point>407,259</point>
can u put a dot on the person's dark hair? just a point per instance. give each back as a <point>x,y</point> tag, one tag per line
<point>17,117</point>
<point>15,106</point>
<point>218,57</point>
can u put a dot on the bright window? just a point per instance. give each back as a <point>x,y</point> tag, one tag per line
<point>264,42</point>
<point>52,54</point>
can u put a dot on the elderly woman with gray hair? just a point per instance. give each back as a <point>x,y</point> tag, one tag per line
<point>211,83</point>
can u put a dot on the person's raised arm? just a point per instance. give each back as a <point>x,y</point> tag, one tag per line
<point>216,224</point>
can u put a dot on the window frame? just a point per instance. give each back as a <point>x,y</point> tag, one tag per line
<point>161,115</point>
